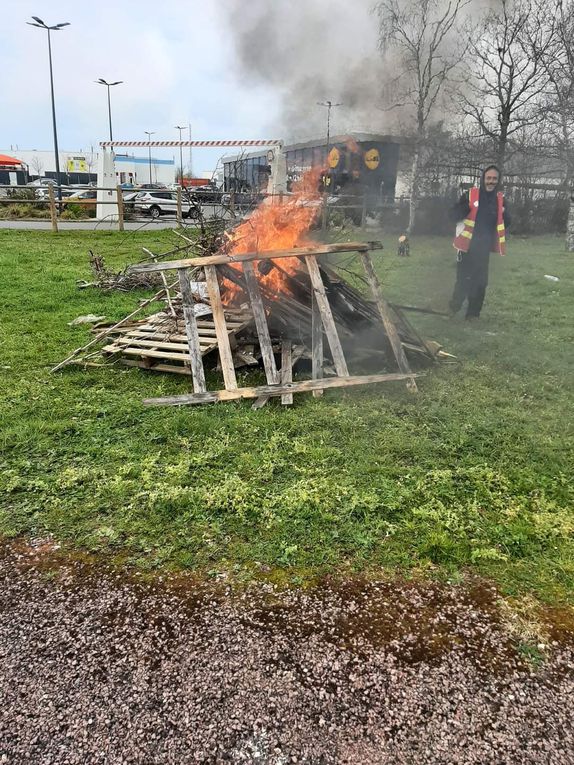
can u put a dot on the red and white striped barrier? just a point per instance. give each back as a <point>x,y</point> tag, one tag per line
<point>191,144</point>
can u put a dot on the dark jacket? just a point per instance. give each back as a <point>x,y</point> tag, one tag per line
<point>486,217</point>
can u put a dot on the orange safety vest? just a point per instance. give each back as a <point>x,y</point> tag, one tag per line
<point>465,228</point>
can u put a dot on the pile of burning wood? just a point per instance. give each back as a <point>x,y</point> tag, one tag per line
<point>269,298</point>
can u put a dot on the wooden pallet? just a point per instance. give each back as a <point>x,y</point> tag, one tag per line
<point>279,381</point>
<point>159,343</point>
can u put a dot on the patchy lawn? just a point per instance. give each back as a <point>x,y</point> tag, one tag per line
<point>473,473</point>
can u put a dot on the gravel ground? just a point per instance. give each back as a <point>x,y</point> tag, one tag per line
<point>97,666</point>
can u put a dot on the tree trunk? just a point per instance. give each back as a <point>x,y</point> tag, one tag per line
<point>566,159</point>
<point>570,224</point>
<point>414,195</point>
<point>501,153</point>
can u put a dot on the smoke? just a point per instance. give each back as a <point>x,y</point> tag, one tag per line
<point>309,52</point>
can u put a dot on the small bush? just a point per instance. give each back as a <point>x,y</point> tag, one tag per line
<point>73,212</point>
<point>22,211</point>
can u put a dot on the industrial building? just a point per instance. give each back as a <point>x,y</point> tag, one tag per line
<point>82,167</point>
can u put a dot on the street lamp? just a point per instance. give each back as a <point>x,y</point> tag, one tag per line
<point>41,25</point>
<point>180,128</point>
<point>329,105</point>
<point>108,85</point>
<point>149,133</point>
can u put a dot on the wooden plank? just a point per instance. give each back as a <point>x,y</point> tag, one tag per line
<point>261,324</point>
<point>286,370</point>
<point>196,364</point>
<point>385,314</point>
<point>144,353</point>
<point>274,390</point>
<point>224,348</point>
<point>131,342</point>
<point>172,368</point>
<point>316,344</point>
<point>297,352</point>
<point>217,260</point>
<point>327,317</point>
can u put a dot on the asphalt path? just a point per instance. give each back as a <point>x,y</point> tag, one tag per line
<point>88,225</point>
<point>144,223</point>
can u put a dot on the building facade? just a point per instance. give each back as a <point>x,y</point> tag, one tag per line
<point>82,167</point>
<point>356,163</point>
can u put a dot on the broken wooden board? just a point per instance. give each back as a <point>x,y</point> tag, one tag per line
<point>275,390</point>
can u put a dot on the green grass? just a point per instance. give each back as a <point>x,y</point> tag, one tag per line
<point>472,474</point>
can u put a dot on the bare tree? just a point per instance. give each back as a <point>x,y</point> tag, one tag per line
<point>506,76</point>
<point>425,37</point>
<point>556,52</point>
<point>37,165</point>
<point>90,159</point>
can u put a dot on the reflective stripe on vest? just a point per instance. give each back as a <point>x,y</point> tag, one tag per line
<point>463,237</point>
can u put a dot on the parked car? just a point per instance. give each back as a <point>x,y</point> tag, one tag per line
<point>208,193</point>
<point>243,199</point>
<point>87,195</point>
<point>42,182</point>
<point>145,186</point>
<point>40,186</point>
<point>157,203</point>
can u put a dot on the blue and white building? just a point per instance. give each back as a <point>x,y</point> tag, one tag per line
<point>82,166</point>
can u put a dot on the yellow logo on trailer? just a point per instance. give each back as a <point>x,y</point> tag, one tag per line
<point>372,159</point>
<point>334,157</point>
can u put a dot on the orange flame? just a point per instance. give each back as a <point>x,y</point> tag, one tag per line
<point>277,224</point>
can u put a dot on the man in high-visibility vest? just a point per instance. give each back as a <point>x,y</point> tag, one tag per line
<point>482,219</point>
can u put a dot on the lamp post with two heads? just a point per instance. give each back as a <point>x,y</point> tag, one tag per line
<point>149,134</point>
<point>180,128</point>
<point>55,28</point>
<point>109,85</point>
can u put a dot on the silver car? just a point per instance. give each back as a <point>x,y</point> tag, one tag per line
<point>160,202</point>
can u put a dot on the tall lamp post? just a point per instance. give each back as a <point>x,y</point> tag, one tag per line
<point>109,85</point>
<point>180,128</point>
<point>41,25</point>
<point>329,105</point>
<point>149,134</point>
<point>190,160</point>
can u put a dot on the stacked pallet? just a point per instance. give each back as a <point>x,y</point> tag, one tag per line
<point>159,342</point>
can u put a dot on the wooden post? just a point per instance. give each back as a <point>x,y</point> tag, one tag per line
<point>286,369</point>
<point>316,344</point>
<point>261,324</point>
<point>223,345</point>
<point>53,211</point>
<point>327,317</point>
<point>364,211</point>
<point>120,198</point>
<point>179,208</point>
<point>196,364</point>
<point>385,314</point>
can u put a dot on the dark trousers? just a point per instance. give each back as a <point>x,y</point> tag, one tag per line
<point>470,285</point>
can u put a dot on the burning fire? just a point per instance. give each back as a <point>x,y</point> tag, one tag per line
<point>277,224</point>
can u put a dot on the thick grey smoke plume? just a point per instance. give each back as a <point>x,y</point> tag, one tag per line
<point>309,51</point>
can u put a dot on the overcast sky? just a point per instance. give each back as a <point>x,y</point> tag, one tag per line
<point>176,57</point>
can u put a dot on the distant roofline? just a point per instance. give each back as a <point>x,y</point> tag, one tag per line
<point>334,139</point>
